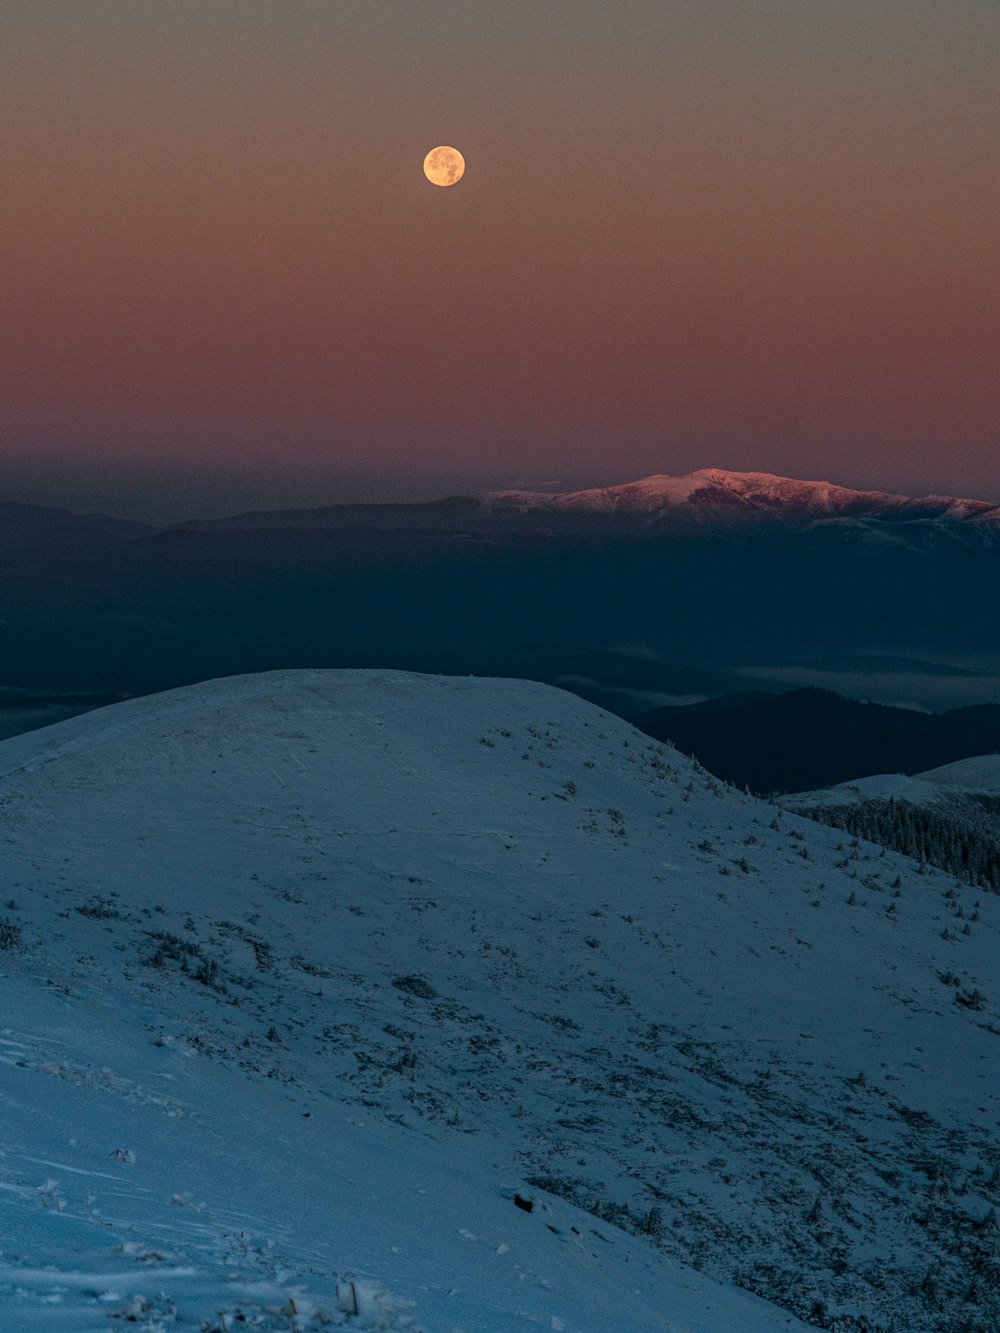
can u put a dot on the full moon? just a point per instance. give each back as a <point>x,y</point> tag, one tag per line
<point>444,166</point>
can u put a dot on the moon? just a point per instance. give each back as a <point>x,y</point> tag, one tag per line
<point>444,166</point>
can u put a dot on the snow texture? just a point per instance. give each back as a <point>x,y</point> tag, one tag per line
<point>981,774</point>
<point>306,975</point>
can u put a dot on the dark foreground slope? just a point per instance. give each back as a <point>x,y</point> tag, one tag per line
<point>415,945</point>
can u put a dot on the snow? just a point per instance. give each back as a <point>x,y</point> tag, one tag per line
<point>981,773</point>
<point>715,494</point>
<point>878,787</point>
<point>650,494</point>
<point>937,786</point>
<point>237,1203</point>
<point>309,973</point>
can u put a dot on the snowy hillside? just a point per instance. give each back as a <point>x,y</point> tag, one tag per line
<point>918,790</point>
<point>313,981</point>
<point>981,773</point>
<point>947,816</point>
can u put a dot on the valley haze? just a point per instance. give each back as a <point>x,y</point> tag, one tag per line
<point>726,580</point>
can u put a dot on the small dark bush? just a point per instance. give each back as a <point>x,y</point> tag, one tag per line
<point>169,947</point>
<point>100,908</point>
<point>207,973</point>
<point>417,986</point>
<point>11,936</point>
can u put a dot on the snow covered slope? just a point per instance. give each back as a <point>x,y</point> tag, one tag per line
<point>936,786</point>
<point>947,816</point>
<point>917,790</point>
<point>306,975</point>
<point>981,773</point>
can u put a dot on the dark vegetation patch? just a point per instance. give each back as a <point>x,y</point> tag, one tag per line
<point>414,985</point>
<point>190,959</point>
<point>959,843</point>
<point>11,935</point>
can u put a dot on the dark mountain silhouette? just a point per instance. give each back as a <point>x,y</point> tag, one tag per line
<point>809,738</point>
<point>455,513</point>
<point>35,525</point>
<point>617,681</point>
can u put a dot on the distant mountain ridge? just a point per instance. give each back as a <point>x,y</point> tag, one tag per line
<point>29,525</point>
<point>703,500</point>
<point>758,581</point>
<point>805,739</point>
<point>714,495</point>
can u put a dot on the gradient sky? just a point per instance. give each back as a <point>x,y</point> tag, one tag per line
<point>756,234</point>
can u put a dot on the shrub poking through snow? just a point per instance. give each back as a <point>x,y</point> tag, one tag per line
<point>11,935</point>
<point>414,985</point>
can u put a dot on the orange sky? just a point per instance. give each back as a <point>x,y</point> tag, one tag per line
<point>759,237</point>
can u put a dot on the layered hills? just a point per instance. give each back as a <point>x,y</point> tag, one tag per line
<point>810,738</point>
<point>710,498</point>
<point>725,581</point>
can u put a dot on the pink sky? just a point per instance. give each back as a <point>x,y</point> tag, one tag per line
<point>761,243</point>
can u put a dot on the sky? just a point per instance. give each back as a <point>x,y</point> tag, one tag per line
<point>753,234</point>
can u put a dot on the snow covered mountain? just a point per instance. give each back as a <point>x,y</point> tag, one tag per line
<point>717,498</point>
<point>375,1000</point>
<point>711,498</point>
<point>704,500</point>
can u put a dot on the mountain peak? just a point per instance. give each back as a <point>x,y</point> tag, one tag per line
<point>717,495</point>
